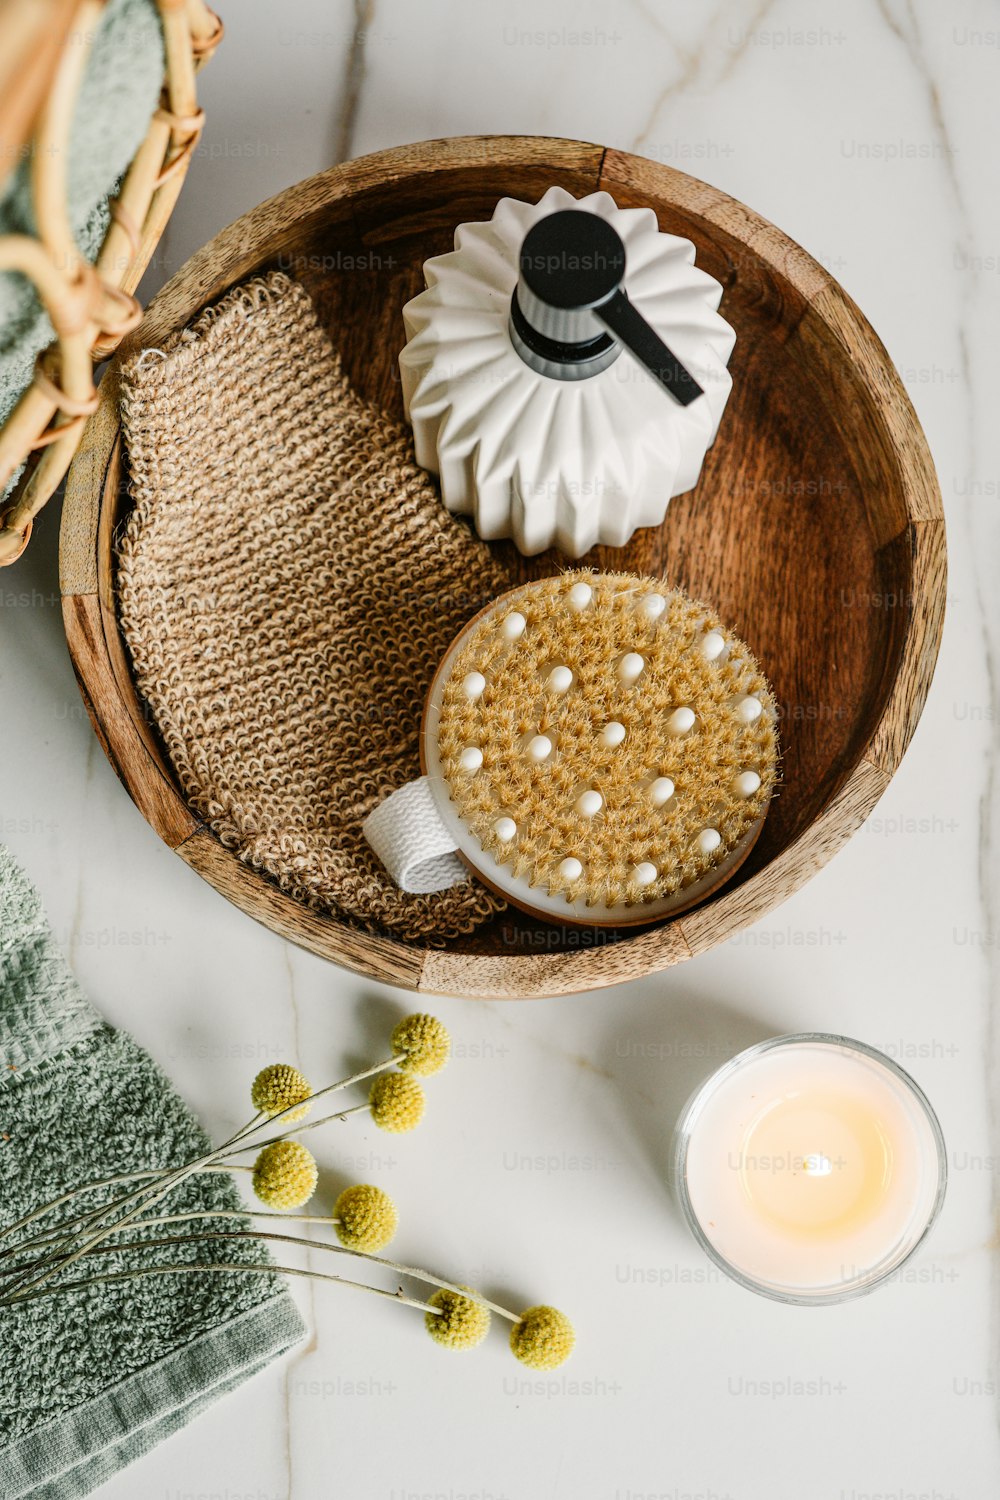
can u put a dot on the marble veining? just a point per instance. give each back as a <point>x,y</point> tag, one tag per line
<point>868,132</point>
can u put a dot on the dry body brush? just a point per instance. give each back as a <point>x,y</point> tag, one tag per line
<point>609,745</point>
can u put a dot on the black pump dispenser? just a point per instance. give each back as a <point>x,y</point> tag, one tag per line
<point>570,316</point>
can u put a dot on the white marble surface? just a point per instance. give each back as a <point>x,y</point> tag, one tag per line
<point>868,131</point>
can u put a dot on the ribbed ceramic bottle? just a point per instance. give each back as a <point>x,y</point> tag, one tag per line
<point>565,371</point>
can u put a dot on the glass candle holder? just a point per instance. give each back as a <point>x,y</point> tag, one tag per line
<point>809,1168</point>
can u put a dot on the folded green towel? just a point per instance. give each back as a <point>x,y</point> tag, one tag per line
<point>90,1380</point>
<point>118,95</point>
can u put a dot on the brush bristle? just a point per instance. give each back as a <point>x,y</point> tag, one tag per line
<point>638,654</point>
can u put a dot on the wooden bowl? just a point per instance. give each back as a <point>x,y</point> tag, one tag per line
<point>816,530</point>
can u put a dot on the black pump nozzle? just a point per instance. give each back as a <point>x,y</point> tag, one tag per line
<point>570,314</point>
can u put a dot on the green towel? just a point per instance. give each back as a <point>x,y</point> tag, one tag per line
<point>90,1380</point>
<point>119,93</point>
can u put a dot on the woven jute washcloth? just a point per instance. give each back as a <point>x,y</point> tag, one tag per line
<point>288,581</point>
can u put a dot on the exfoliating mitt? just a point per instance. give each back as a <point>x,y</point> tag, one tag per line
<point>92,1379</point>
<point>288,581</point>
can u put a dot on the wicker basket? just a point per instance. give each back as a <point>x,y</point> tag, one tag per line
<point>45,51</point>
<point>816,530</point>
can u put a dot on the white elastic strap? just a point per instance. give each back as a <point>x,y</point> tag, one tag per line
<point>407,834</point>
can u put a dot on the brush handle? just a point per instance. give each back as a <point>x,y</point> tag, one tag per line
<point>409,838</point>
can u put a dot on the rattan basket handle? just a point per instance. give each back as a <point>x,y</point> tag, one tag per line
<point>92,308</point>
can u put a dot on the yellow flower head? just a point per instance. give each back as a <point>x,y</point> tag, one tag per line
<point>277,1087</point>
<point>366,1218</point>
<point>542,1338</point>
<point>421,1045</point>
<point>397,1102</point>
<point>284,1175</point>
<point>461,1323</point>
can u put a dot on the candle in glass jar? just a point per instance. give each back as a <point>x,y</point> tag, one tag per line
<point>810,1167</point>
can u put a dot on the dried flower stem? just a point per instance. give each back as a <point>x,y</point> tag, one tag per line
<point>213,1163</point>
<point>293,1131</point>
<point>87,1187</point>
<point>218,1154</point>
<point>201,1213</point>
<point>288,1239</point>
<point>208,1164</point>
<point>360,1286</point>
<point>140,1199</point>
<point>379,1067</point>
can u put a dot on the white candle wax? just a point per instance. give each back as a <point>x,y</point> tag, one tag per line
<point>810,1167</point>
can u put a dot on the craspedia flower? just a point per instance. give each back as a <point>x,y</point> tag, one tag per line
<point>366,1218</point>
<point>284,1175</point>
<point>461,1323</point>
<point>542,1338</point>
<point>279,1086</point>
<point>397,1102</point>
<point>421,1044</point>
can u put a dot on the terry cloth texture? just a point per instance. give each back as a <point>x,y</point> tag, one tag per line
<point>91,1379</point>
<point>288,582</point>
<point>118,95</point>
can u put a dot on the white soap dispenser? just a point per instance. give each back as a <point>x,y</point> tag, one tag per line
<point>565,371</point>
